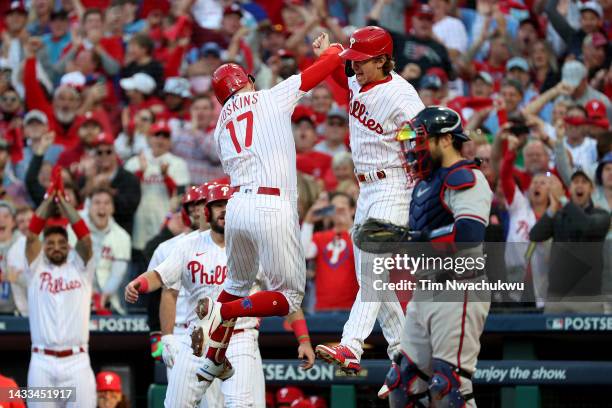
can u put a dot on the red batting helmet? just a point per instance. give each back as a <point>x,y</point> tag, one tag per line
<point>229,79</point>
<point>191,196</point>
<point>287,395</point>
<point>368,42</point>
<point>217,192</point>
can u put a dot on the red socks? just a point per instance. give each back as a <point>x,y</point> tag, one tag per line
<point>260,304</point>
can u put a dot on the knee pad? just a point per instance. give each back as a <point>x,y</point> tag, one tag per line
<point>445,384</point>
<point>398,382</point>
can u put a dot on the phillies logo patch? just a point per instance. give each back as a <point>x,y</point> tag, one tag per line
<point>352,41</point>
<point>246,303</point>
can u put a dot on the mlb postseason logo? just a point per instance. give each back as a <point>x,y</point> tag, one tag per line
<point>555,323</point>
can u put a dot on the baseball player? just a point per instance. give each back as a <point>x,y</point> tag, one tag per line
<point>450,203</point>
<point>255,142</point>
<point>59,296</point>
<point>199,264</point>
<point>380,102</point>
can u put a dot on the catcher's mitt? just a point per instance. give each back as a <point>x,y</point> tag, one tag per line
<point>375,235</point>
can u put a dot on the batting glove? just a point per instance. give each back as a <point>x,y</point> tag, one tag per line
<point>170,349</point>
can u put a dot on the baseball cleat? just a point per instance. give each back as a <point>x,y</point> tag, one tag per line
<point>211,370</point>
<point>209,318</point>
<point>339,355</point>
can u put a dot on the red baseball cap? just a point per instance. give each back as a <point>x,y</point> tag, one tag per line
<point>108,381</point>
<point>576,120</point>
<point>16,6</point>
<point>90,117</point>
<point>317,402</point>
<point>439,72</point>
<point>301,403</point>
<point>303,112</point>
<point>424,11</point>
<point>287,395</point>
<point>104,138</point>
<point>160,126</point>
<point>233,8</point>
<point>596,113</point>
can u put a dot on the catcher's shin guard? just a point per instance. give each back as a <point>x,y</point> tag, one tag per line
<point>403,384</point>
<point>445,384</point>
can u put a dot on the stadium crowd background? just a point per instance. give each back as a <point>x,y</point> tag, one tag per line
<point>117,93</point>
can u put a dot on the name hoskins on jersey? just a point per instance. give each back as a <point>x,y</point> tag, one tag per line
<point>239,102</point>
<point>375,116</point>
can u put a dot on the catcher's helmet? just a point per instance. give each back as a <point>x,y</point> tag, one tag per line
<point>192,195</point>
<point>368,42</point>
<point>431,121</point>
<point>217,192</point>
<point>229,79</point>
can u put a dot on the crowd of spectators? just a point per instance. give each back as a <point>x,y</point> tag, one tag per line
<point>117,95</point>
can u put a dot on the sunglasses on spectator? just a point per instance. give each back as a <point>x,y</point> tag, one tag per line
<point>335,122</point>
<point>104,152</point>
<point>162,134</point>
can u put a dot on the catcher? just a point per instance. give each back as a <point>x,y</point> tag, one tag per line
<point>450,204</point>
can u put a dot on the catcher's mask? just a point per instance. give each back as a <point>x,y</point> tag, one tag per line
<point>415,149</point>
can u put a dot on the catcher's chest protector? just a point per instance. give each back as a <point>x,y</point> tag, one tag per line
<point>427,208</point>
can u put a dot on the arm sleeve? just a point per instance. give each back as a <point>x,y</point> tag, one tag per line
<point>340,78</point>
<point>118,271</point>
<point>558,22</point>
<point>505,174</point>
<point>543,229</point>
<point>170,270</point>
<point>34,95</point>
<point>35,189</point>
<point>310,248</point>
<point>325,65</point>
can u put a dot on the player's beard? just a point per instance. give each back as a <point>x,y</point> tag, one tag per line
<point>57,258</point>
<point>216,226</point>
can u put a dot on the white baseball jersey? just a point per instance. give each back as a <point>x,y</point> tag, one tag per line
<point>200,266</point>
<point>375,114</point>
<point>161,253</point>
<point>155,201</point>
<point>254,138</point>
<point>59,300</point>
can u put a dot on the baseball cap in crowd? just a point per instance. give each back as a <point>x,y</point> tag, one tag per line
<point>595,39</point>
<point>161,126</point>
<point>8,206</point>
<point>108,381</point>
<point>430,82</point>
<point>89,117</point>
<point>485,76</point>
<point>591,5</point>
<point>104,138</point>
<point>573,72</point>
<point>233,8</point>
<point>301,403</point>
<point>303,112</point>
<point>75,79</point>
<point>317,402</point>
<point>439,72</point>
<point>60,14</point>
<point>210,48</point>
<point>336,112</point>
<point>140,82</point>
<point>424,11</point>
<point>287,395</point>
<point>36,115</point>
<point>596,113</point>
<point>581,172</point>
<point>178,86</point>
<point>16,6</point>
<point>517,63</point>
<point>607,159</point>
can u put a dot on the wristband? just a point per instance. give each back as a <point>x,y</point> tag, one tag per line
<point>80,229</point>
<point>144,284</point>
<point>300,330</point>
<point>36,224</point>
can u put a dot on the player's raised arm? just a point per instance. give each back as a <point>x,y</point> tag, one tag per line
<point>83,245</point>
<point>329,59</point>
<point>37,224</point>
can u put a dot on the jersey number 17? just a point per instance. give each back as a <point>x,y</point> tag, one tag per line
<point>248,140</point>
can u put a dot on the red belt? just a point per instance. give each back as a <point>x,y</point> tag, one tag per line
<point>243,330</point>
<point>55,353</point>
<point>362,177</point>
<point>273,191</point>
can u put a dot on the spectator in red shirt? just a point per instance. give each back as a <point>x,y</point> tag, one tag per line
<point>64,107</point>
<point>77,158</point>
<point>309,161</point>
<point>332,249</point>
